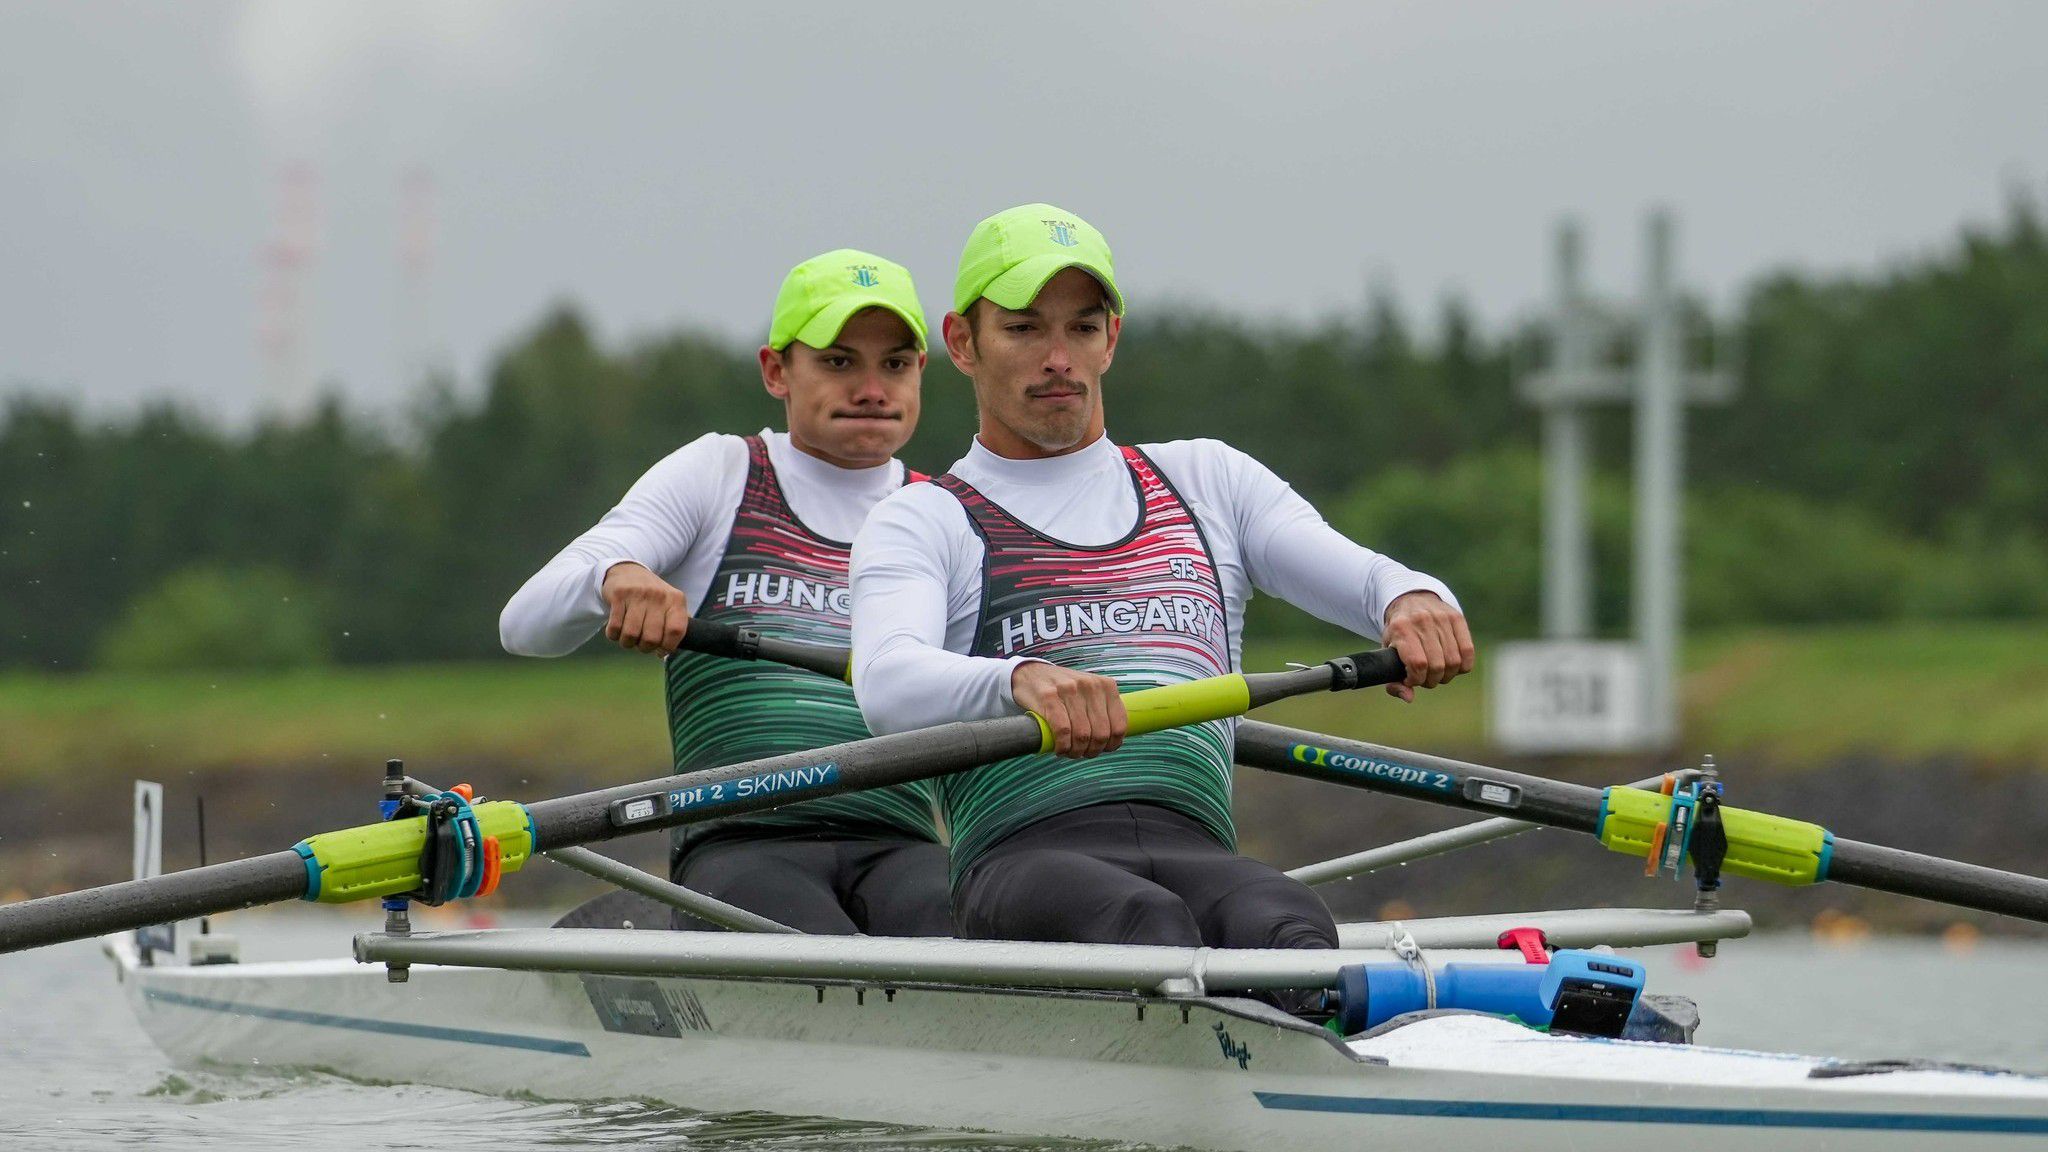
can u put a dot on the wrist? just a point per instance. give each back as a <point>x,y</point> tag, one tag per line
<point>1017,673</point>
<point>1411,594</point>
<point>605,568</point>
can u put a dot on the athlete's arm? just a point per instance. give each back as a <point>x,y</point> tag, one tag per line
<point>653,526</point>
<point>916,590</point>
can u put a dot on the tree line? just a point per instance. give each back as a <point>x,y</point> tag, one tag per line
<point>1884,459</point>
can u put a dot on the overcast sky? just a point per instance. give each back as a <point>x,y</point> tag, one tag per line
<point>662,163</point>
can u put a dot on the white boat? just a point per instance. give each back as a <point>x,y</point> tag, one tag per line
<point>1066,1040</point>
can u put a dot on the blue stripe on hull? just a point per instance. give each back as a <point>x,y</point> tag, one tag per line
<point>382,1027</point>
<point>1631,1114</point>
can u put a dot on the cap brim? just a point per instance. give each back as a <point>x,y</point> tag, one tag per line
<point>1016,288</point>
<point>822,330</point>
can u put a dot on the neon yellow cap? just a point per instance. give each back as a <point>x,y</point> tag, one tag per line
<point>821,294</point>
<point>1011,255</point>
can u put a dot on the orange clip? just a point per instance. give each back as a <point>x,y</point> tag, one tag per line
<point>493,867</point>
<point>464,791</point>
<point>1656,847</point>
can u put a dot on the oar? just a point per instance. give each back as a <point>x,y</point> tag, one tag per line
<point>384,859</point>
<point>1760,845</point>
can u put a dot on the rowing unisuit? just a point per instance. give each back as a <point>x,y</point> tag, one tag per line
<point>752,531</point>
<point>1050,569</point>
<point>785,580</point>
<point>1137,563</point>
<point>1146,609</point>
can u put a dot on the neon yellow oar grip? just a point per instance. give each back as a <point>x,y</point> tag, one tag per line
<point>1174,705</point>
<point>1171,706</point>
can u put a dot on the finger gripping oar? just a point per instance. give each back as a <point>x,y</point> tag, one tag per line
<point>383,859</point>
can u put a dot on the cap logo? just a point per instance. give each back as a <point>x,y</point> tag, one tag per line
<point>1062,232</point>
<point>864,275</point>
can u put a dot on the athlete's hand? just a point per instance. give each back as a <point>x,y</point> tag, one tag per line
<point>1432,640</point>
<point>648,613</point>
<point>1084,711</point>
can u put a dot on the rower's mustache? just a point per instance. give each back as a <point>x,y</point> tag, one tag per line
<point>1056,387</point>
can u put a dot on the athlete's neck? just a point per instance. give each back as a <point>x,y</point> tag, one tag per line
<point>1097,455</point>
<point>1010,446</point>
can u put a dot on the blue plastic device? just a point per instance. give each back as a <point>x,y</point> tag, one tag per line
<point>1589,993</point>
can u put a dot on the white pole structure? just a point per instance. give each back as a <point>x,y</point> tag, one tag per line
<point>418,227</point>
<point>1659,467</point>
<point>1567,550</point>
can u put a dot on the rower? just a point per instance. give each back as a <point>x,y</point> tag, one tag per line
<point>752,531</point>
<point>1051,567</point>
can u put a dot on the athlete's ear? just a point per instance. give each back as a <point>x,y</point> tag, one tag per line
<point>959,333</point>
<point>1115,326</point>
<point>774,372</point>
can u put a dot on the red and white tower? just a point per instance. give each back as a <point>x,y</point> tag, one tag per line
<point>287,263</point>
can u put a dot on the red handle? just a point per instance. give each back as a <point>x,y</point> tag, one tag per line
<point>1531,942</point>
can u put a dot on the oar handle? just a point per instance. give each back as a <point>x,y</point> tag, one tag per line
<point>714,638</point>
<point>1192,702</point>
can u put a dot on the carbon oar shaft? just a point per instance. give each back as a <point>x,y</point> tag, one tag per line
<point>1884,869</point>
<point>215,888</point>
<point>383,859</point>
<point>1418,776</point>
<point>757,785</point>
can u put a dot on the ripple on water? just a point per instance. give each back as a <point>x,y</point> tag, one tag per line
<point>219,1109</point>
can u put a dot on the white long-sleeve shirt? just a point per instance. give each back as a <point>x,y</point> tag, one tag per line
<point>675,520</point>
<point>917,565</point>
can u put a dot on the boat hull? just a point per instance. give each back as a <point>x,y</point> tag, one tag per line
<point>1214,1073</point>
